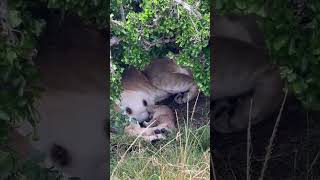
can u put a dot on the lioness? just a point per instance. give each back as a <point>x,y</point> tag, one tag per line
<point>239,52</point>
<point>162,120</point>
<point>241,68</point>
<point>160,79</point>
<point>73,106</point>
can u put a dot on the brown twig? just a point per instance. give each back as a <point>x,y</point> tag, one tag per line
<point>115,22</point>
<point>147,45</point>
<point>113,41</point>
<point>122,13</point>
<point>189,8</point>
<point>249,142</point>
<point>274,132</point>
<point>6,29</point>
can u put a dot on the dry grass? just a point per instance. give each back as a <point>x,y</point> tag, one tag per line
<point>283,149</point>
<point>183,155</point>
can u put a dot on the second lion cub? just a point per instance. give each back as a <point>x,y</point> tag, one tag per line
<point>161,121</point>
<point>161,117</point>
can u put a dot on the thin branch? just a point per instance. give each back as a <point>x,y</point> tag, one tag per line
<point>122,13</point>
<point>3,10</point>
<point>114,41</point>
<point>147,45</point>
<point>112,70</point>
<point>115,22</point>
<point>189,8</point>
<point>274,132</point>
<point>213,168</point>
<point>6,30</point>
<point>155,22</point>
<point>314,162</point>
<point>249,142</point>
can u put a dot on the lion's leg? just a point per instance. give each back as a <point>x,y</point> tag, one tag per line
<point>267,97</point>
<point>136,130</point>
<point>189,95</point>
<point>266,100</point>
<point>153,138</point>
<point>175,83</point>
<point>148,134</point>
<point>162,129</point>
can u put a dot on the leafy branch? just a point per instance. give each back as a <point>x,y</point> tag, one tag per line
<point>293,41</point>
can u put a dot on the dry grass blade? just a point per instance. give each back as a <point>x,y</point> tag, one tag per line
<point>274,132</point>
<point>180,157</point>
<point>314,161</point>
<point>213,172</point>
<point>249,141</point>
<point>194,106</point>
<point>125,153</point>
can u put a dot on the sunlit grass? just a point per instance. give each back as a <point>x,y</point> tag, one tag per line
<point>184,154</point>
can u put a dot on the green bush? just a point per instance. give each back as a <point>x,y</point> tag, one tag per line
<point>161,28</point>
<point>293,40</point>
<point>20,27</point>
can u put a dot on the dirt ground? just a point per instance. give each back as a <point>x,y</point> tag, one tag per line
<point>295,154</point>
<point>201,114</point>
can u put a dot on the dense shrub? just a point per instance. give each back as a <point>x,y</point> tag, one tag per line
<point>292,36</point>
<point>21,23</point>
<point>151,29</point>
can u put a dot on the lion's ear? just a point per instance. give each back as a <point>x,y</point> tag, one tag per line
<point>116,106</point>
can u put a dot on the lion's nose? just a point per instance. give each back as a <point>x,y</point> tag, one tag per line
<point>141,124</point>
<point>150,116</point>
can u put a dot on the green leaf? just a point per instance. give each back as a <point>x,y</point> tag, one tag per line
<point>14,18</point>
<point>299,87</point>
<point>11,56</point>
<point>38,27</point>
<point>292,49</point>
<point>4,116</point>
<point>23,177</point>
<point>241,4</point>
<point>280,42</point>
<point>316,51</point>
<point>6,164</point>
<point>261,12</point>
<point>219,4</point>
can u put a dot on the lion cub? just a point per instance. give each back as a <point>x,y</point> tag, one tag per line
<point>162,120</point>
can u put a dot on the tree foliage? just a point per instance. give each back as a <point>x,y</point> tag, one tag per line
<point>151,29</point>
<point>293,40</point>
<point>20,28</point>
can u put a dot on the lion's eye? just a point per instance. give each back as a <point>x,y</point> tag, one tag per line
<point>128,111</point>
<point>145,103</point>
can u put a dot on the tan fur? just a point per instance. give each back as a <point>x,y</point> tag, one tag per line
<point>243,28</point>
<point>73,107</point>
<point>136,88</point>
<point>241,68</point>
<point>162,119</point>
<point>160,79</point>
<point>147,134</point>
<point>166,75</point>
